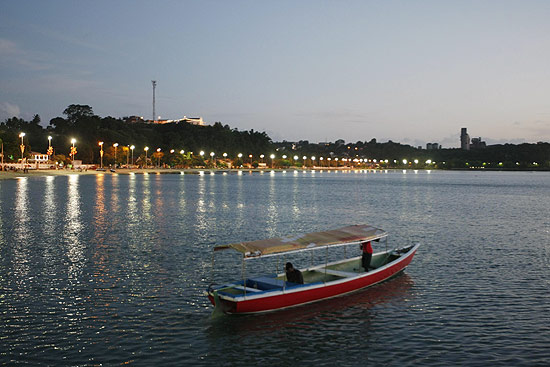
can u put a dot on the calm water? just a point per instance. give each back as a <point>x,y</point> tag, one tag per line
<point>111,269</point>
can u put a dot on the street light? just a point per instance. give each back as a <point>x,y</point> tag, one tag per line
<point>115,145</point>
<point>132,147</point>
<point>50,149</point>
<point>212,158</point>
<point>22,146</point>
<point>272,156</point>
<point>313,161</point>
<point>73,149</point>
<point>146,149</point>
<point>101,153</point>
<point>182,157</point>
<point>158,157</point>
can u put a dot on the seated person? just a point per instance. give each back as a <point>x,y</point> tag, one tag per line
<point>293,275</point>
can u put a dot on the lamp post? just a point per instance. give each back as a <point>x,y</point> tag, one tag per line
<point>116,146</point>
<point>132,147</point>
<point>128,156</point>
<point>146,149</point>
<point>305,161</point>
<point>158,157</point>
<point>22,147</point>
<point>50,149</point>
<point>182,157</point>
<point>250,156</point>
<point>73,149</point>
<point>313,162</point>
<point>272,156</point>
<point>212,158</point>
<point>101,153</point>
<point>172,152</point>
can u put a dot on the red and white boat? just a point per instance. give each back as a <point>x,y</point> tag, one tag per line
<point>331,279</point>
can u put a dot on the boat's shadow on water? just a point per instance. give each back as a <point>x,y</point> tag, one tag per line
<point>349,308</point>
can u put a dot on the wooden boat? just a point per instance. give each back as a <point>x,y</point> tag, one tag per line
<point>331,279</point>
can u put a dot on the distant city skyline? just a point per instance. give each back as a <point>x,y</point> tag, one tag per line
<point>410,72</point>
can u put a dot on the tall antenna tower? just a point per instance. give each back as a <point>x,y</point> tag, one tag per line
<point>154,86</point>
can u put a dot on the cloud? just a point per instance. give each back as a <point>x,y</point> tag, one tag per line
<point>12,54</point>
<point>8,110</point>
<point>7,47</point>
<point>70,39</point>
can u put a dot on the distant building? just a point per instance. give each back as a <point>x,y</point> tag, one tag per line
<point>133,119</point>
<point>464,139</point>
<point>433,146</point>
<point>189,120</point>
<point>38,158</point>
<point>477,143</point>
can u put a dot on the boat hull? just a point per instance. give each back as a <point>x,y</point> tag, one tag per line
<point>291,297</point>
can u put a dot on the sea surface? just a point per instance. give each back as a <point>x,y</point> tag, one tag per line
<point>112,269</point>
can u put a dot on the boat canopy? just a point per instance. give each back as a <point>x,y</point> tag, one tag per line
<point>344,235</point>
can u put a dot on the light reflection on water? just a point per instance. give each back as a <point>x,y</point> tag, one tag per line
<point>108,269</point>
<point>22,231</point>
<point>73,229</point>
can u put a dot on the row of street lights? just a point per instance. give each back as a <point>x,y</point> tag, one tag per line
<point>212,155</point>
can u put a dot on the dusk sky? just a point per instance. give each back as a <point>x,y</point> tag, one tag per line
<point>408,71</point>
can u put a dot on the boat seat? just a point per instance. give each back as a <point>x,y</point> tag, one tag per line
<point>247,289</point>
<point>265,283</point>
<point>338,273</point>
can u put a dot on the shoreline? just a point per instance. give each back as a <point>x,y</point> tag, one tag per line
<point>7,175</point>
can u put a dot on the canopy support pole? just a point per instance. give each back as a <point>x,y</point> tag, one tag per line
<point>284,274</point>
<point>212,269</point>
<point>244,276</point>
<point>326,264</point>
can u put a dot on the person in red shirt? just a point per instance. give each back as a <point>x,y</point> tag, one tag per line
<point>367,255</point>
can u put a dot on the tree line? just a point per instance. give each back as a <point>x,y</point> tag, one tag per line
<point>88,129</point>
